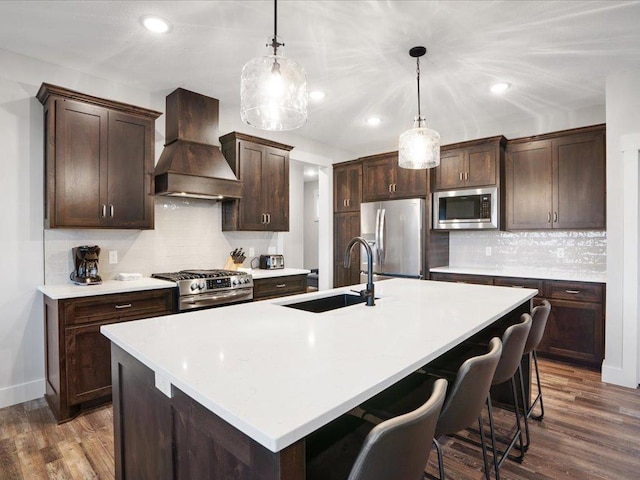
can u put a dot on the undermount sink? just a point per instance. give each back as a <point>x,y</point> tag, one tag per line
<point>319,305</point>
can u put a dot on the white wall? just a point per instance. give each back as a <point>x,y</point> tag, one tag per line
<point>187,233</point>
<point>622,362</point>
<point>310,225</point>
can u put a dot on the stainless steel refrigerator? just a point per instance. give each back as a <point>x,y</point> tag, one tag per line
<point>393,230</point>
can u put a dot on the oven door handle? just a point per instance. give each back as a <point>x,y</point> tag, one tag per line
<point>214,298</point>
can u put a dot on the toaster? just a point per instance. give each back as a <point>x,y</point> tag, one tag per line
<point>271,262</point>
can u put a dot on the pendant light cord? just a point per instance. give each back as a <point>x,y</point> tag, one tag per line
<point>274,41</point>
<point>418,77</point>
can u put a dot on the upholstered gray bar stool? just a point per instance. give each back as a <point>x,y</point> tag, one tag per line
<point>539,317</point>
<point>513,342</point>
<point>394,449</point>
<point>463,406</point>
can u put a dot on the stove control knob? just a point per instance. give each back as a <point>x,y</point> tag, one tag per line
<point>202,285</point>
<point>194,286</point>
<point>236,281</point>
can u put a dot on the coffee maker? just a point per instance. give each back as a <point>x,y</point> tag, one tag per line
<point>85,259</point>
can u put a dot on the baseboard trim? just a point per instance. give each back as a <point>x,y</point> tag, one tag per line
<point>21,393</point>
<point>617,376</point>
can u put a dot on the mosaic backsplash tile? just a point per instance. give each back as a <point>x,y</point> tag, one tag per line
<point>572,251</point>
<point>187,234</point>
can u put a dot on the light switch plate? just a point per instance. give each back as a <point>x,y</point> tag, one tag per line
<point>113,257</point>
<point>487,251</point>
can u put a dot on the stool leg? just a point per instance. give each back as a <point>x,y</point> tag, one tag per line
<point>493,438</point>
<point>519,428</point>
<point>487,474</point>
<point>440,460</point>
<point>524,409</point>
<point>539,396</point>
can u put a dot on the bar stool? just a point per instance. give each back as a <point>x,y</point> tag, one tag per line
<point>513,342</point>
<point>463,405</point>
<point>392,449</point>
<point>539,317</point>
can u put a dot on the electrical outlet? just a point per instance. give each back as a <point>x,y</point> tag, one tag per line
<point>560,252</point>
<point>113,257</point>
<point>252,252</point>
<point>487,251</point>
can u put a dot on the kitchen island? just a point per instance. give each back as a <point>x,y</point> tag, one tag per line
<point>233,392</point>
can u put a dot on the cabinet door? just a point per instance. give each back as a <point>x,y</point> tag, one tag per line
<point>378,179</point>
<point>529,191</point>
<point>252,208</point>
<point>88,363</point>
<point>130,172</point>
<point>579,174</point>
<point>347,185</point>
<point>80,164</point>
<point>346,226</point>
<point>449,174</point>
<point>481,166</point>
<point>275,189</point>
<point>409,182</point>
<point>574,332</point>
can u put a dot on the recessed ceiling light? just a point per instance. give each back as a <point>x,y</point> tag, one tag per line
<point>317,95</point>
<point>155,24</point>
<point>374,121</point>
<point>499,87</point>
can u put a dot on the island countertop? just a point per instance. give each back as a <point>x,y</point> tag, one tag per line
<point>277,373</point>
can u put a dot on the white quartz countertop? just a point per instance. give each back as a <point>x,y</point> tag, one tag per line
<point>524,272</point>
<point>70,290</point>
<point>278,373</point>
<point>258,273</point>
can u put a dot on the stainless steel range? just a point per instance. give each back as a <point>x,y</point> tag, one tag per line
<point>209,288</point>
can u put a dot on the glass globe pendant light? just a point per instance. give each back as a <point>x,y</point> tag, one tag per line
<point>420,146</point>
<point>273,89</point>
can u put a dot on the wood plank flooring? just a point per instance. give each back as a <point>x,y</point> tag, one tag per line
<point>591,430</point>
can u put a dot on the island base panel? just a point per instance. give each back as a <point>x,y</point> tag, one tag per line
<point>177,438</point>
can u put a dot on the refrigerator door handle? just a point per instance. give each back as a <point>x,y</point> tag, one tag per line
<point>376,247</point>
<point>381,251</point>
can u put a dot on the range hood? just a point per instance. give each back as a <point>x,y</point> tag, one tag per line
<point>191,164</point>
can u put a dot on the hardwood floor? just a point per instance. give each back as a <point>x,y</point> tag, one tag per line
<point>591,430</point>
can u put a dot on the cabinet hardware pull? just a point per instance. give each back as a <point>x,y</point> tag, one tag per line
<point>466,175</point>
<point>268,218</point>
<point>395,187</point>
<point>281,285</point>
<point>104,211</point>
<point>517,286</point>
<point>555,217</point>
<point>390,185</point>
<point>548,217</point>
<point>111,210</point>
<point>460,176</point>
<point>573,292</point>
<point>348,202</point>
<point>344,203</point>
<point>264,218</point>
<point>126,305</point>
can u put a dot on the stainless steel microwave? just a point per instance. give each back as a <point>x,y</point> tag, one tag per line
<point>469,209</point>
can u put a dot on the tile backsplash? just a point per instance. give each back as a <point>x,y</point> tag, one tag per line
<point>187,234</point>
<point>571,251</point>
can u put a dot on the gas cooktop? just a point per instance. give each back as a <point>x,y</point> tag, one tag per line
<point>197,274</point>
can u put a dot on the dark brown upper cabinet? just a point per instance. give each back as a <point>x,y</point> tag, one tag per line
<point>557,181</point>
<point>262,166</point>
<point>347,185</point>
<point>383,179</point>
<point>470,164</point>
<point>98,161</point>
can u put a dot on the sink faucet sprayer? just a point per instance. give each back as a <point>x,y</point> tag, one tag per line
<point>369,291</point>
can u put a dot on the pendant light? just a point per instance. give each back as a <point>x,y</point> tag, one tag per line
<point>420,146</point>
<point>273,88</point>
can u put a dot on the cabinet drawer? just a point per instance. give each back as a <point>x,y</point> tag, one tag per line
<point>519,283</point>
<point>575,291</point>
<point>462,278</point>
<point>279,286</point>
<point>119,306</point>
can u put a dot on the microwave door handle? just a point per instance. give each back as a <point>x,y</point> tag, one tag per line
<point>382,229</point>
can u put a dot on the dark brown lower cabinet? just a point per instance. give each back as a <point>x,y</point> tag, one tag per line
<point>78,356</point>
<point>575,329</point>
<point>345,227</point>
<point>273,287</point>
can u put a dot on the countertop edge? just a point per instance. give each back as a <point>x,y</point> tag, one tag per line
<point>524,273</point>
<point>107,287</point>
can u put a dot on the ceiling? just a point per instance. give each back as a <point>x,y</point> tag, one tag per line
<point>556,55</point>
